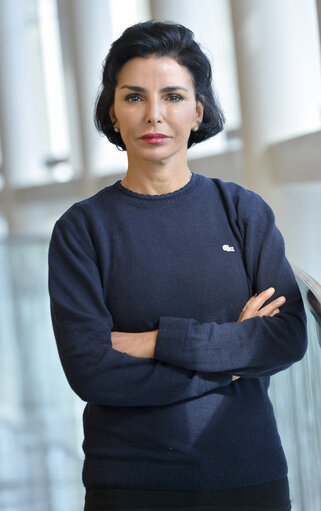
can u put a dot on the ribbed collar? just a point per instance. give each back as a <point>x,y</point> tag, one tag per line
<point>167,199</point>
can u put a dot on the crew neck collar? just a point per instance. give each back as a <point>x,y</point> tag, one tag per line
<point>192,183</point>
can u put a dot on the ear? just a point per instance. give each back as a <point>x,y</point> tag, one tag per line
<point>199,110</point>
<point>112,114</point>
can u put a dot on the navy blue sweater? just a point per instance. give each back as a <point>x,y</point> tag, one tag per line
<point>184,263</point>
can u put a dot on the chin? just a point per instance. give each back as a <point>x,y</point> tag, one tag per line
<point>156,154</point>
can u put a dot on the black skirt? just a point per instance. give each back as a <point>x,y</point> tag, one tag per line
<point>272,496</point>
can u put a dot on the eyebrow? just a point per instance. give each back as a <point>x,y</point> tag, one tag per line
<point>136,88</point>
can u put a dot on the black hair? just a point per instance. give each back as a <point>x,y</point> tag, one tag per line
<point>162,39</point>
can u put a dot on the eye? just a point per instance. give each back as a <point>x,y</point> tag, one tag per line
<point>133,98</point>
<point>174,98</point>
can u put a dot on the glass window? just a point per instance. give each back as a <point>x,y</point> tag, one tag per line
<point>43,112</point>
<point>52,74</point>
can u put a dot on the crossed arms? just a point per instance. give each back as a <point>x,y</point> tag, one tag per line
<point>142,344</point>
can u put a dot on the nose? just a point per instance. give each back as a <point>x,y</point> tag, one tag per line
<point>153,112</point>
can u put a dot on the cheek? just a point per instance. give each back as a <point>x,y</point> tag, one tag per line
<point>187,116</point>
<point>127,123</point>
<point>184,122</point>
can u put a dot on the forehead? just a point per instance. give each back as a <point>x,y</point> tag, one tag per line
<point>142,71</point>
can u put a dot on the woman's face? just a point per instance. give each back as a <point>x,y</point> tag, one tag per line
<point>155,108</point>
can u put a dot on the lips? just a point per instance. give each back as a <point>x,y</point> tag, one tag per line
<point>154,138</point>
<point>154,135</point>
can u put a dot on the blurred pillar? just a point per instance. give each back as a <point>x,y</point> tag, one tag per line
<point>18,140</point>
<point>85,36</point>
<point>276,79</point>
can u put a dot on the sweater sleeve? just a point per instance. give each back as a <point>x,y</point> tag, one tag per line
<point>258,346</point>
<point>82,326</point>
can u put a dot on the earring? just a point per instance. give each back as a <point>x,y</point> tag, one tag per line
<point>116,130</point>
<point>195,128</point>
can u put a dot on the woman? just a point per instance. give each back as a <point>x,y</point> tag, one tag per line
<point>172,301</point>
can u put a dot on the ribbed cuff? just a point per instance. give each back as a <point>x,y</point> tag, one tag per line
<point>170,339</point>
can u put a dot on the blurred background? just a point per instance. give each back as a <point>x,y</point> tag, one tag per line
<point>267,73</point>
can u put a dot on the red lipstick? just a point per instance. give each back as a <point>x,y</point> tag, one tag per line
<point>154,138</point>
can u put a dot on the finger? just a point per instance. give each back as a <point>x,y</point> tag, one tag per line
<point>242,313</point>
<point>261,298</point>
<point>249,301</point>
<point>252,306</point>
<point>252,309</point>
<point>256,301</point>
<point>267,310</point>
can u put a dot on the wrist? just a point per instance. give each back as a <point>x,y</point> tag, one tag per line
<point>151,341</point>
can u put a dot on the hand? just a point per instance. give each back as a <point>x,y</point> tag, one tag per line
<point>138,345</point>
<point>254,307</point>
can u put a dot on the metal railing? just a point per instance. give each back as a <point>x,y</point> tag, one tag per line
<point>311,294</point>
<point>296,398</point>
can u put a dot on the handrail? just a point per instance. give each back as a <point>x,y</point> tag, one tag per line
<point>295,395</point>
<point>311,294</point>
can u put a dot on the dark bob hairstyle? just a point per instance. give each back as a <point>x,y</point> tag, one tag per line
<point>162,39</point>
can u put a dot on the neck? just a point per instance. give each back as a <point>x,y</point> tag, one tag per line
<point>156,178</point>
